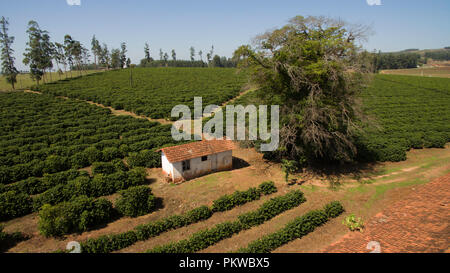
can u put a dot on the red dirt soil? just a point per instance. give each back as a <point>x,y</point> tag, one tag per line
<point>417,223</point>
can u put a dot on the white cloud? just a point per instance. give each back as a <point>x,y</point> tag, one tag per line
<point>78,2</point>
<point>374,2</point>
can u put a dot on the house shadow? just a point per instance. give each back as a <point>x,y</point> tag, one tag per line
<point>239,163</point>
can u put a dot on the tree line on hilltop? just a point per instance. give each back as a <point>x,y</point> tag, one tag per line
<point>41,54</point>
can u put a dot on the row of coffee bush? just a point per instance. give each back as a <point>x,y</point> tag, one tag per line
<point>18,203</point>
<point>237,198</point>
<point>82,213</point>
<point>109,243</point>
<point>205,238</point>
<point>35,185</point>
<point>295,229</point>
<point>43,135</point>
<point>99,185</point>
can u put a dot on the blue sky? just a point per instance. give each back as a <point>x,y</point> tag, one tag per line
<point>397,24</point>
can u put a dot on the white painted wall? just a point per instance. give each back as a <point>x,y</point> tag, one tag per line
<point>166,165</point>
<point>215,162</point>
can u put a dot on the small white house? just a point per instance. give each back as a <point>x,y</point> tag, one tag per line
<point>187,161</point>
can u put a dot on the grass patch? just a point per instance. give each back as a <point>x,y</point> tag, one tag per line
<point>381,189</point>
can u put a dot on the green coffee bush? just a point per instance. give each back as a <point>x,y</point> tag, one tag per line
<point>136,201</point>
<point>93,155</point>
<point>111,153</point>
<point>54,164</point>
<point>144,158</point>
<point>271,208</point>
<point>14,204</point>
<point>227,202</point>
<point>77,215</point>
<point>267,187</point>
<point>103,167</point>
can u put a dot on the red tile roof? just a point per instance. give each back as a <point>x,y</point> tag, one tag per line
<point>196,149</point>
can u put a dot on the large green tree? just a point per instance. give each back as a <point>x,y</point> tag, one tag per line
<point>314,68</point>
<point>8,69</point>
<point>34,53</point>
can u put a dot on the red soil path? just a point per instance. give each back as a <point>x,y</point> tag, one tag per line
<point>418,223</point>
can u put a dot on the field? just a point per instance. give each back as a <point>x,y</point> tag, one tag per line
<point>155,90</point>
<point>406,112</point>
<point>24,81</point>
<point>47,142</point>
<point>442,72</point>
<point>58,153</point>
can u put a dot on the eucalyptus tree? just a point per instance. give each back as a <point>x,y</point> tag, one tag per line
<point>123,56</point>
<point>104,57</point>
<point>8,69</point>
<point>147,52</point>
<point>166,58</point>
<point>48,49</point>
<point>192,50</point>
<point>161,54</point>
<point>174,55</point>
<point>85,58</point>
<point>115,58</point>
<point>209,55</point>
<point>34,56</point>
<point>69,51</point>
<point>96,49</point>
<point>200,53</point>
<point>60,57</point>
<point>77,52</point>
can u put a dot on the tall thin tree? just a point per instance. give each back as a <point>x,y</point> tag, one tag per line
<point>192,50</point>
<point>8,69</point>
<point>95,48</point>
<point>123,56</point>
<point>68,49</point>
<point>34,53</point>
<point>147,52</point>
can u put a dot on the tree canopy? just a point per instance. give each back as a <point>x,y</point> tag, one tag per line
<point>8,69</point>
<point>313,68</point>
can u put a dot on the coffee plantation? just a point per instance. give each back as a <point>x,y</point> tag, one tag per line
<point>109,243</point>
<point>44,140</point>
<point>156,90</point>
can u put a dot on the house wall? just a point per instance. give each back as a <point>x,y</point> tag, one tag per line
<point>215,162</point>
<point>167,167</point>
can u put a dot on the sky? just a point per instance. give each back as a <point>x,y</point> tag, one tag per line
<point>180,24</point>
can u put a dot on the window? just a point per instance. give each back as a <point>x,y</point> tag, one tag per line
<point>186,165</point>
<point>204,158</point>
